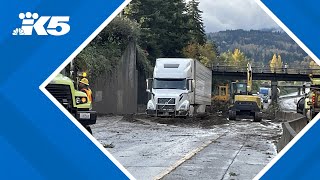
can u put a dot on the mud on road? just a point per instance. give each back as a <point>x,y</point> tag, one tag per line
<point>201,121</point>
<point>150,147</point>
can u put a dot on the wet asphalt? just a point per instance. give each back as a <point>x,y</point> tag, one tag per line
<point>149,150</point>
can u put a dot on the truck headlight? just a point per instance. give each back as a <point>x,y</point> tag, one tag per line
<point>184,105</point>
<point>81,100</point>
<point>150,105</point>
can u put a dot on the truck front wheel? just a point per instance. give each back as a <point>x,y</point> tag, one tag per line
<point>304,111</point>
<point>313,113</point>
<point>88,128</point>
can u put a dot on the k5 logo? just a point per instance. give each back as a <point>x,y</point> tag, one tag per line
<point>57,25</point>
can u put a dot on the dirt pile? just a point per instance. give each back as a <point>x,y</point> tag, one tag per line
<point>271,111</point>
<point>202,121</point>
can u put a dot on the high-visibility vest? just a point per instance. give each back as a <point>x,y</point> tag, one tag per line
<point>88,92</point>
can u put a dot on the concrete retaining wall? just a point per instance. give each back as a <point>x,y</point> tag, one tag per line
<point>117,93</point>
<point>294,124</point>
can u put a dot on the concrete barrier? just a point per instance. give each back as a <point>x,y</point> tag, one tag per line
<point>287,116</point>
<point>293,124</point>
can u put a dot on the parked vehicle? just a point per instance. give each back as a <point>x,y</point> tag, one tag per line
<point>265,98</point>
<point>312,105</point>
<point>309,105</point>
<point>222,93</point>
<point>76,102</point>
<point>244,102</point>
<point>265,93</point>
<point>179,87</point>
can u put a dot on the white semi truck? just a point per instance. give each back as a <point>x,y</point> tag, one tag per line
<point>179,87</point>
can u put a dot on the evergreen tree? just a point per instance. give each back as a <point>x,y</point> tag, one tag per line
<point>197,32</point>
<point>146,15</point>
<point>215,48</point>
<point>175,31</point>
<point>164,26</point>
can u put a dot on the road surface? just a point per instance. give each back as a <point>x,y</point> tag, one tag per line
<point>172,149</point>
<point>289,102</point>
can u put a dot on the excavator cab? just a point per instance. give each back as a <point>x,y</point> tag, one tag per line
<point>239,88</point>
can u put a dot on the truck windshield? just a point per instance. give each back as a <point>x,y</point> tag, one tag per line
<point>169,84</point>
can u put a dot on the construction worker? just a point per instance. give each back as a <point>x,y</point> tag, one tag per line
<point>285,68</point>
<point>84,87</point>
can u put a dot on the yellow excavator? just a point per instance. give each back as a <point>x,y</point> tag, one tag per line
<point>243,102</point>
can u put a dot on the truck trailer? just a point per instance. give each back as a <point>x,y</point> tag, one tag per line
<point>180,87</point>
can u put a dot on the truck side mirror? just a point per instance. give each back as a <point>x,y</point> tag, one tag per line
<point>193,86</point>
<point>190,85</point>
<point>149,84</point>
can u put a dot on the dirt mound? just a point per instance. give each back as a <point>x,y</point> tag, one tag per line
<point>132,118</point>
<point>202,121</point>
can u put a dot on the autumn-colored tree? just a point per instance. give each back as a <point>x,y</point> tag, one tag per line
<point>239,59</point>
<point>206,53</point>
<point>273,63</point>
<point>226,58</point>
<point>314,66</point>
<point>276,63</point>
<point>191,51</point>
<point>235,58</point>
<point>236,54</point>
<point>280,60</point>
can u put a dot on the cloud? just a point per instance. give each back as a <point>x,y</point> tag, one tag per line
<point>219,15</point>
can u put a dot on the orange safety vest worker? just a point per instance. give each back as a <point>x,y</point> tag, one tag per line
<point>88,92</point>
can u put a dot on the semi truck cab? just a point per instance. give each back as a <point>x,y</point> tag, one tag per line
<point>169,97</point>
<point>178,88</point>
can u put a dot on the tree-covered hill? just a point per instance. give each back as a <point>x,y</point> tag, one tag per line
<point>259,45</point>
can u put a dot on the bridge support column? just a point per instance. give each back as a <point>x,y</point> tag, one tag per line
<point>274,91</point>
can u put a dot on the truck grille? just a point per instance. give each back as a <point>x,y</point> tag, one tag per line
<point>166,107</point>
<point>166,100</point>
<point>62,93</point>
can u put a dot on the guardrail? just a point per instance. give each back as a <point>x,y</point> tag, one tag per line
<point>224,68</point>
<point>294,124</point>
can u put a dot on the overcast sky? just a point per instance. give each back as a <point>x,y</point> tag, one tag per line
<point>219,15</point>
